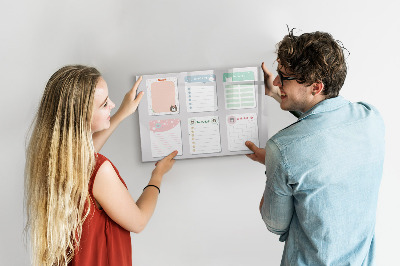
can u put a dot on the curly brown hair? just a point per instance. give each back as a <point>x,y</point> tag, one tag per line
<point>314,57</point>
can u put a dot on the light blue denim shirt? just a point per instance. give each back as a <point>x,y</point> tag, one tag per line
<point>323,176</point>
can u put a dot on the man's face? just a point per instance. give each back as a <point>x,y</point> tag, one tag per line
<point>294,96</point>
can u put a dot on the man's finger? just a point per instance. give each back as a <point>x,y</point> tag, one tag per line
<point>251,156</point>
<point>265,69</point>
<point>251,146</point>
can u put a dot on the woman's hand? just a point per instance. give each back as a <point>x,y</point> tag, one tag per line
<point>131,101</point>
<point>164,165</point>
<point>270,89</point>
<point>128,107</point>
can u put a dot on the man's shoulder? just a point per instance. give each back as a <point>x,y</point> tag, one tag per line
<point>367,108</point>
<point>288,135</point>
<point>320,123</point>
<point>367,114</point>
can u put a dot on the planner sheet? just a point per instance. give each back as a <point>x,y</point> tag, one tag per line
<point>165,135</point>
<point>204,135</point>
<point>201,113</point>
<point>241,127</point>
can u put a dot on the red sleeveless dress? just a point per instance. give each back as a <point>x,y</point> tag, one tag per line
<point>103,241</point>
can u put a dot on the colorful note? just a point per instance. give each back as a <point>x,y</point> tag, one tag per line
<point>204,134</point>
<point>162,96</point>
<point>201,98</point>
<point>165,137</point>
<point>240,96</point>
<point>240,74</point>
<point>197,78</point>
<point>240,128</point>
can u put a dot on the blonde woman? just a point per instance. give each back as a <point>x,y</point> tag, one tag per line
<point>79,211</point>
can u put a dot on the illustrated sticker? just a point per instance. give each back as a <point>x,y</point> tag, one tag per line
<point>162,96</point>
<point>204,134</point>
<point>165,137</point>
<point>240,128</point>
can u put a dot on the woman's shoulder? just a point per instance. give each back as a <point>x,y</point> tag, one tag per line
<point>102,165</point>
<point>100,158</point>
<point>105,167</point>
<point>99,161</point>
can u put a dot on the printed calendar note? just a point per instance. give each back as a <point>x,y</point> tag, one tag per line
<point>165,137</point>
<point>240,128</point>
<point>204,134</point>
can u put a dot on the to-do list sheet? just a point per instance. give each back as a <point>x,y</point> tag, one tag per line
<point>204,135</point>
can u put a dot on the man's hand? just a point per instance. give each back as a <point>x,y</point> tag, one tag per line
<point>270,89</point>
<point>258,155</point>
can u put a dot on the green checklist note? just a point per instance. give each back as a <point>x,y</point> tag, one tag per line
<point>240,96</point>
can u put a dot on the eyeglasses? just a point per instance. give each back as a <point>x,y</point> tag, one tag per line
<point>282,78</point>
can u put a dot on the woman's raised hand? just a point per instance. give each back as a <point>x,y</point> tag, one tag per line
<point>131,101</point>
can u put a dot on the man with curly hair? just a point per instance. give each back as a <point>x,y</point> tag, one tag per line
<point>323,171</point>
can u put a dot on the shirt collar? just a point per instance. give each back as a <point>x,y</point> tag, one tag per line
<point>325,106</point>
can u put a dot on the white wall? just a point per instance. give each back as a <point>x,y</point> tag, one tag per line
<point>208,208</point>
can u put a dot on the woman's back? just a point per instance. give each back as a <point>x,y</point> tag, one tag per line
<point>103,242</point>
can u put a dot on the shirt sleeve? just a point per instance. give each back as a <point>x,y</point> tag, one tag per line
<point>277,209</point>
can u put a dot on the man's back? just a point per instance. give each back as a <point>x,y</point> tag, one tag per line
<point>329,165</point>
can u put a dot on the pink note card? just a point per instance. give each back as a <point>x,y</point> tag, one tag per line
<point>165,137</point>
<point>162,95</point>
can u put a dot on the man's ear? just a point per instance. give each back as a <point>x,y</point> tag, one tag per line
<point>317,88</point>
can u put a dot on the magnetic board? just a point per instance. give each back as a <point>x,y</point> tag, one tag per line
<point>201,113</point>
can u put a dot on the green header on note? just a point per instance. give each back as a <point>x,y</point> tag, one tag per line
<point>238,76</point>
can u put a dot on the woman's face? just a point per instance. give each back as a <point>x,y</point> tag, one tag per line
<point>102,106</point>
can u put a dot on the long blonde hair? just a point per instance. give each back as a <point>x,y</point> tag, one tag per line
<point>59,161</point>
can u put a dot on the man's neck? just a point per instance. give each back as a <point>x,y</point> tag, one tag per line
<point>316,100</point>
